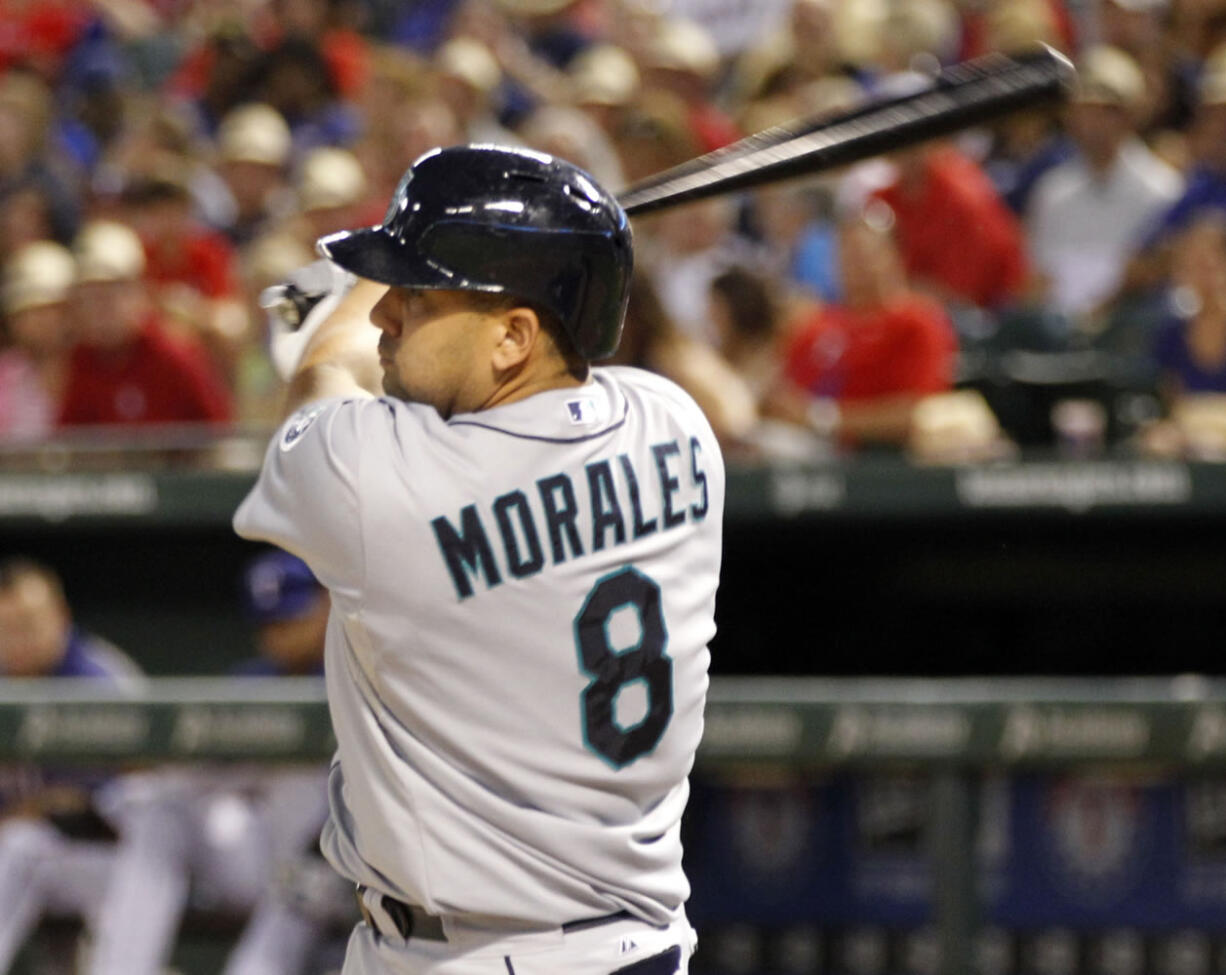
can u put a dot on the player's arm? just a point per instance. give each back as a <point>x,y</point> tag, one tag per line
<point>340,357</point>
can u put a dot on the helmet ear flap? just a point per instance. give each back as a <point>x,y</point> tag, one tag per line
<point>597,328</point>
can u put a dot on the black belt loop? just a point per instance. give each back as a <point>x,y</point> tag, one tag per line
<point>409,921</point>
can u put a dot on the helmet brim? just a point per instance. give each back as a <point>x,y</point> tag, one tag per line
<point>375,254</point>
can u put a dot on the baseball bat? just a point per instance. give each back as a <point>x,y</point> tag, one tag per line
<point>960,96</point>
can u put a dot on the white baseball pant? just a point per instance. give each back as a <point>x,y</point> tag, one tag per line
<point>42,872</point>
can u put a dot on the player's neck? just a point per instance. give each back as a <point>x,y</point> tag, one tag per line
<point>531,382</point>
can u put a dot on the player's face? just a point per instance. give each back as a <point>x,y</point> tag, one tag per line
<point>435,348</point>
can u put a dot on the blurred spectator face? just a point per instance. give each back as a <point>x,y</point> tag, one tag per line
<point>1208,135</point>
<point>294,91</point>
<point>102,110</point>
<point>1111,88</point>
<point>468,74</point>
<point>252,184</point>
<point>296,643</point>
<point>24,217</point>
<point>605,78</point>
<point>41,331</point>
<point>653,134</point>
<point>329,220</point>
<point>110,301</point>
<point>782,212</point>
<point>14,139</point>
<point>253,146</point>
<point>163,223</point>
<point>331,189</point>
<point>911,164</point>
<point>108,315</point>
<point>306,17</point>
<point>480,20</point>
<point>681,57</point>
<point>570,134</point>
<point>697,226</point>
<point>34,626</point>
<point>25,113</point>
<point>1198,257</point>
<point>34,290</point>
<point>813,26</point>
<point>290,610</point>
<point>869,264</point>
<point>1099,130</point>
<point>1132,25</point>
<point>419,127</point>
<point>742,307</point>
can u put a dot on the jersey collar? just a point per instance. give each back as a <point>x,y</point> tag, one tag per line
<point>556,415</point>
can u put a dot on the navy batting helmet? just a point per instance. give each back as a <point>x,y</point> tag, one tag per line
<point>495,219</point>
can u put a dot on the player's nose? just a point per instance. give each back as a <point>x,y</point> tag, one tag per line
<point>381,314</point>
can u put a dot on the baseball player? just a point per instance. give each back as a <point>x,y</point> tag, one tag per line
<point>522,553</point>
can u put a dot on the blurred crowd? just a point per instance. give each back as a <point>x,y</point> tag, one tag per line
<point>1054,280</point>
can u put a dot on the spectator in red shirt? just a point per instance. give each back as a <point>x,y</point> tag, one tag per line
<point>856,369</point>
<point>125,369</point>
<point>178,249</point>
<point>40,33</point>
<point>957,238</point>
<point>191,269</point>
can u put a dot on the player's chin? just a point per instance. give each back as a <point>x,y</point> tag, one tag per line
<point>392,386</point>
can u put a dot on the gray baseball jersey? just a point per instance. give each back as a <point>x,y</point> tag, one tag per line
<point>517,654</point>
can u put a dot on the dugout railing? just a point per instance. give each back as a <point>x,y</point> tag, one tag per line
<point>952,730</point>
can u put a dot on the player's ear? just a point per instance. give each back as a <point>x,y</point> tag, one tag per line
<point>519,333</point>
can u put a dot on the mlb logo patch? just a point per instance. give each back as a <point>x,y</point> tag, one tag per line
<point>581,411</point>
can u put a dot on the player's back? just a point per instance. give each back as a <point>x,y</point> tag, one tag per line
<point>518,661</point>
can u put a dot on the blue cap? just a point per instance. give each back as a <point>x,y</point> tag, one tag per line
<point>278,586</point>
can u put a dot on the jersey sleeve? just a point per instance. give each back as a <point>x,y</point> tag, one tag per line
<point>305,500</point>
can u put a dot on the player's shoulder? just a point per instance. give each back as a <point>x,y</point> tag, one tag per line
<point>663,401</point>
<point>650,387</point>
<point>335,422</point>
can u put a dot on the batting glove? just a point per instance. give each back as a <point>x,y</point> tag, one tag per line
<point>297,308</point>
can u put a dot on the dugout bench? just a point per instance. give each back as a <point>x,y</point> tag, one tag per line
<point>951,731</point>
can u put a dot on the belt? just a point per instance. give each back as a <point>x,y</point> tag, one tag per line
<point>412,921</point>
<point>409,920</point>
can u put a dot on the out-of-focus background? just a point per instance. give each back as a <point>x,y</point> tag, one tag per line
<point>972,397</point>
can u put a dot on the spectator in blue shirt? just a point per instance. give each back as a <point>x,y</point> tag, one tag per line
<point>38,637</point>
<point>289,609</point>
